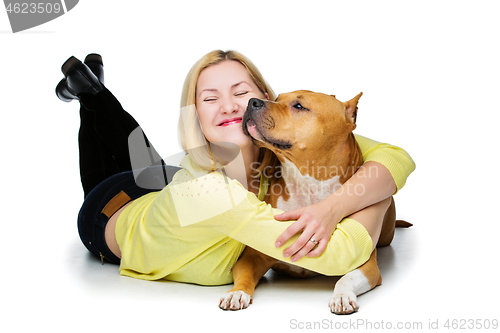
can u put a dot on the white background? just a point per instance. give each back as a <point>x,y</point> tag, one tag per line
<point>429,71</point>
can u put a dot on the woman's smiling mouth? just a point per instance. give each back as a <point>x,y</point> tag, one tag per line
<point>227,122</point>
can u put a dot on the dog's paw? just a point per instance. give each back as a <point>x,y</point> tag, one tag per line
<point>343,303</point>
<point>235,300</point>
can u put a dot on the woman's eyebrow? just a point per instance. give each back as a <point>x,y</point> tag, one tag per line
<point>232,87</point>
<point>237,84</point>
<point>208,89</point>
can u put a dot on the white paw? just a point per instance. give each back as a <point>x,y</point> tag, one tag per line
<point>343,303</point>
<point>235,300</point>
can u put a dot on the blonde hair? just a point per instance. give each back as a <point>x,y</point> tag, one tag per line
<point>191,136</point>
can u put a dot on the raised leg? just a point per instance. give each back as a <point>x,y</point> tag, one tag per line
<point>105,126</point>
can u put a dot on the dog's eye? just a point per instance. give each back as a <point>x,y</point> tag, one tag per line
<point>299,106</point>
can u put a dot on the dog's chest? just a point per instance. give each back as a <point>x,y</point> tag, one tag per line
<point>304,190</point>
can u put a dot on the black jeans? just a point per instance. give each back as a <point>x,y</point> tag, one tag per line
<point>106,168</point>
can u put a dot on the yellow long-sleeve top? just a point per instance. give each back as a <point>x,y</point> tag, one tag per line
<point>195,229</point>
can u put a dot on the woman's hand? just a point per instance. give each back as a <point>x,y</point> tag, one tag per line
<point>317,223</point>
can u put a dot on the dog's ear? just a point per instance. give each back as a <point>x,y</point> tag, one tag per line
<point>351,108</point>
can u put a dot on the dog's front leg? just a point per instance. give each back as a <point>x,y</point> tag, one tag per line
<point>357,282</point>
<point>247,271</point>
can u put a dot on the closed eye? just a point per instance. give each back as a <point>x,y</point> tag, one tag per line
<point>241,93</point>
<point>299,106</point>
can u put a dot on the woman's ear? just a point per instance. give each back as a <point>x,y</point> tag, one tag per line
<point>267,96</point>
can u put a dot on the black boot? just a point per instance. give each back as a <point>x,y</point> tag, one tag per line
<point>79,79</point>
<point>94,62</point>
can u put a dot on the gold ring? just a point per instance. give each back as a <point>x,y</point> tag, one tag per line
<point>314,241</point>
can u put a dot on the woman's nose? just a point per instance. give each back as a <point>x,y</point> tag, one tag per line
<point>229,106</point>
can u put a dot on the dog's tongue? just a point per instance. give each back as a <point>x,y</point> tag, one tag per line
<point>253,131</point>
<point>250,124</point>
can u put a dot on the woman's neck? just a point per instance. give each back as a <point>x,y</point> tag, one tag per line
<point>242,166</point>
<point>250,157</point>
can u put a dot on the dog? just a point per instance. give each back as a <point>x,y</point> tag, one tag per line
<point>310,133</point>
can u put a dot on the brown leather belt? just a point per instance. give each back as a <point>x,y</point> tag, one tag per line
<point>117,202</point>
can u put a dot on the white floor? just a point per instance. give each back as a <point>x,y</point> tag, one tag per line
<point>84,288</point>
<point>58,285</point>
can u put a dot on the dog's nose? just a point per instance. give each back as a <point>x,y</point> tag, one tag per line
<point>255,104</point>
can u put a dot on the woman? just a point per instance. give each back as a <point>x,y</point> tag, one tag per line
<point>158,234</point>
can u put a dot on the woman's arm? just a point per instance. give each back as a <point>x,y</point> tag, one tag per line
<point>384,172</point>
<point>215,202</point>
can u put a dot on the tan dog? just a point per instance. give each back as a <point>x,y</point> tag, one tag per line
<point>311,134</point>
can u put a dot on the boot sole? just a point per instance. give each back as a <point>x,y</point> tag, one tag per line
<point>69,65</point>
<point>93,57</point>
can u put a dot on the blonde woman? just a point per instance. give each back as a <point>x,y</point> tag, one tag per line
<point>194,229</point>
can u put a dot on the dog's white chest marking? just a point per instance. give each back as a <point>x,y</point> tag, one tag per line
<point>303,190</point>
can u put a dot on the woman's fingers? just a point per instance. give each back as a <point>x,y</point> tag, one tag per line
<point>312,230</point>
<point>292,229</point>
<point>300,243</point>
<point>291,215</point>
<point>312,236</point>
<point>307,248</point>
<point>320,248</point>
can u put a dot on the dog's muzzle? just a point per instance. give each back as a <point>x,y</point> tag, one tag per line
<point>254,106</point>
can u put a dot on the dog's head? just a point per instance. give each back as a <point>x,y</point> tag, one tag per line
<point>299,123</point>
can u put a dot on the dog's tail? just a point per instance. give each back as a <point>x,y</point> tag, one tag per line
<point>403,224</point>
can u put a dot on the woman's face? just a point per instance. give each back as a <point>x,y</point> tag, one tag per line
<point>222,95</point>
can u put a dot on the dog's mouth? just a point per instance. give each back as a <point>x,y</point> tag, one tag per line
<point>250,129</point>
